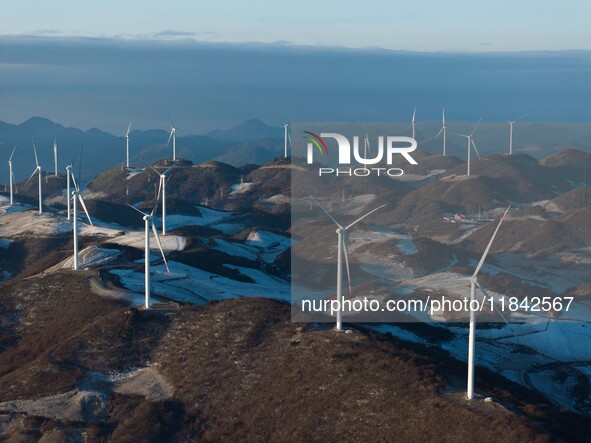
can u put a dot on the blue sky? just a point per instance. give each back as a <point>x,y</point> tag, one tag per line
<point>419,25</point>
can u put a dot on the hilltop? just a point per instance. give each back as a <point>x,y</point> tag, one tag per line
<point>203,373</point>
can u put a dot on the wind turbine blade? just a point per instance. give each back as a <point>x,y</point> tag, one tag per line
<point>474,130</point>
<point>149,165</point>
<point>443,117</point>
<point>327,213</point>
<point>414,111</point>
<point>463,135</point>
<point>141,212</point>
<point>85,210</point>
<point>35,152</point>
<point>158,196</point>
<point>366,215</point>
<point>171,123</point>
<point>160,247</point>
<point>169,169</point>
<point>438,134</point>
<point>366,143</point>
<point>11,155</point>
<point>481,262</point>
<point>498,311</point>
<point>32,175</point>
<point>522,117</point>
<point>128,129</point>
<point>169,137</point>
<point>74,181</point>
<point>475,148</point>
<point>346,254</point>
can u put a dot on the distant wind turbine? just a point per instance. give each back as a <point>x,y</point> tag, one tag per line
<point>127,145</point>
<point>77,196</point>
<point>443,131</point>
<point>162,186</point>
<point>173,137</point>
<point>511,123</point>
<point>413,121</point>
<point>68,176</point>
<point>37,171</point>
<point>149,221</point>
<point>55,157</point>
<point>11,175</point>
<point>285,139</point>
<point>342,250</point>
<point>471,143</point>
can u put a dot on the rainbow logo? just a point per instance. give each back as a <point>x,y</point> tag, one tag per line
<point>317,141</point>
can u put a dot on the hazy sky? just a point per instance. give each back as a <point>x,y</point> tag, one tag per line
<point>214,64</point>
<point>418,25</point>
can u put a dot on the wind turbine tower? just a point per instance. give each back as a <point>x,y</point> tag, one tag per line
<point>443,131</point>
<point>471,144</point>
<point>11,175</point>
<point>173,137</point>
<point>76,196</point>
<point>127,145</point>
<point>55,157</point>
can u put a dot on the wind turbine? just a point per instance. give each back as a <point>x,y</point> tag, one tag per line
<point>11,175</point>
<point>37,171</point>
<point>162,186</point>
<point>470,144</point>
<point>444,131</point>
<point>173,136</point>
<point>149,220</point>
<point>68,173</point>
<point>473,284</point>
<point>286,139</point>
<point>342,250</point>
<point>127,145</point>
<point>511,123</point>
<point>76,196</point>
<point>55,157</point>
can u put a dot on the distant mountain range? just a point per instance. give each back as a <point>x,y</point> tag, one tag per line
<point>249,142</point>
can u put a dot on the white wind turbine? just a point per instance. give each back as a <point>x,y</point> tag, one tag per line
<point>77,196</point>
<point>149,220</point>
<point>127,145</point>
<point>55,157</point>
<point>366,147</point>
<point>443,131</point>
<point>37,171</point>
<point>473,284</point>
<point>470,144</point>
<point>511,123</point>
<point>342,250</point>
<point>286,139</point>
<point>68,174</point>
<point>162,186</point>
<point>11,175</point>
<point>173,137</point>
